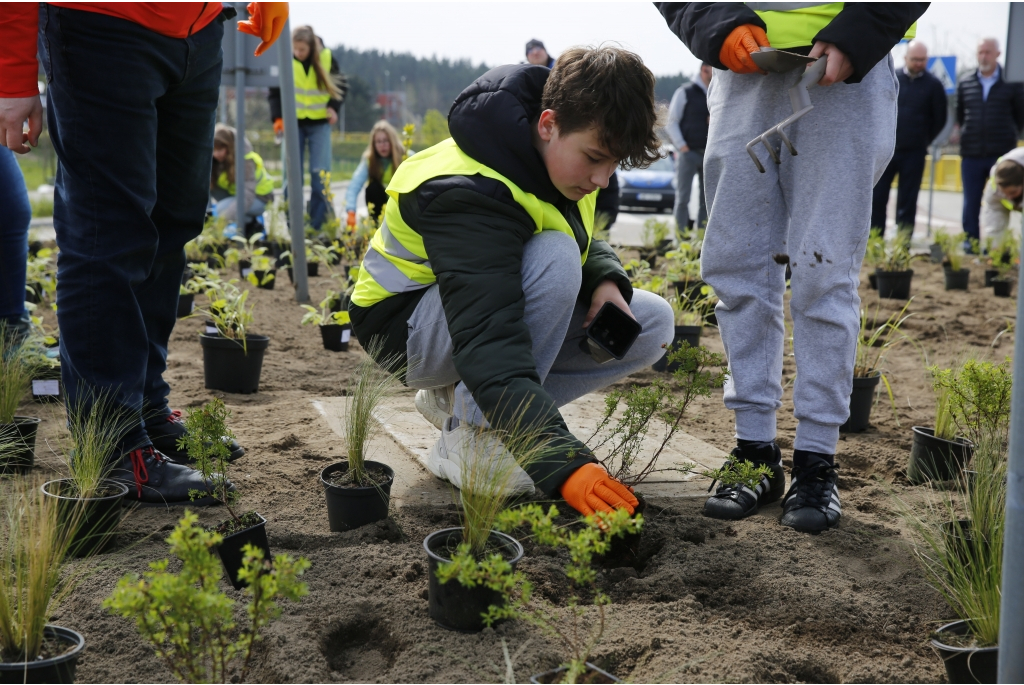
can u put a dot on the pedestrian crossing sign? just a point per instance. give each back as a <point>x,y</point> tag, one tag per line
<point>944,69</point>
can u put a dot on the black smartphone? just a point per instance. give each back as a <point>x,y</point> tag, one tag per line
<point>610,334</point>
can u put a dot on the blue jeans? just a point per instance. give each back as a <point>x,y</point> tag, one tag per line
<point>909,166</point>
<point>318,137</point>
<point>973,174</point>
<point>131,116</point>
<point>15,216</point>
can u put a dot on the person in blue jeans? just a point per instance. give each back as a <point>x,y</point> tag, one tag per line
<point>319,91</point>
<point>15,217</point>
<point>131,110</point>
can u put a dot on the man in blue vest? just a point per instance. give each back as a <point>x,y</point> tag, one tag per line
<point>990,112</point>
<point>812,211</point>
<point>921,116</point>
<point>688,128</point>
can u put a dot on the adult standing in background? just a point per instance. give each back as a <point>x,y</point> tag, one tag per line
<point>990,112</point>
<point>688,128</point>
<point>320,89</point>
<point>920,117</point>
<point>537,54</point>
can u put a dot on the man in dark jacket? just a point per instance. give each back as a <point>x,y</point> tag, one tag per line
<point>990,112</point>
<point>810,211</point>
<point>688,128</point>
<point>921,115</point>
<point>484,273</point>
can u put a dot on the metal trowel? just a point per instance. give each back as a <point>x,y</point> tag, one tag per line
<point>780,61</point>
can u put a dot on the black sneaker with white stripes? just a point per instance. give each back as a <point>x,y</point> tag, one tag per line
<point>812,503</point>
<point>734,502</point>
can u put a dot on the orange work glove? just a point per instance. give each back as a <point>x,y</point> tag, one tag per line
<point>591,489</point>
<point>279,126</point>
<point>738,45</point>
<point>266,21</point>
<point>351,219</point>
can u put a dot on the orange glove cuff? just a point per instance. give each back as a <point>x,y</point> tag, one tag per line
<point>590,488</point>
<point>736,49</point>
<point>351,218</point>
<point>279,126</point>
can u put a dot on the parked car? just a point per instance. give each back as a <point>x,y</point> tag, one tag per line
<point>652,188</point>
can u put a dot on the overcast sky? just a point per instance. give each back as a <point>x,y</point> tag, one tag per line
<point>496,32</point>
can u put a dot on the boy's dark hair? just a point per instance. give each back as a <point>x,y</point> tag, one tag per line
<point>610,88</point>
<point>1009,174</point>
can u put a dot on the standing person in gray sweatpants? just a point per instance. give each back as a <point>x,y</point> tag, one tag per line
<point>812,211</point>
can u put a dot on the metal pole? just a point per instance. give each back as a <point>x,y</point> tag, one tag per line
<point>240,130</point>
<point>931,186</point>
<point>291,141</point>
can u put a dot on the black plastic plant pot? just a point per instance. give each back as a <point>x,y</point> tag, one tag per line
<point>593,674</point>
<point>453,605</point>
<point>230,368</point>
<point>351,507</point>
<point>690,334</point>
<point>23,432</point>
<point>97,517</point>
<point>1001,288</point>
<point>861,399</point>
<point>894,285</point>
<point>957,280</point>
<point>873,281</point>
<point>689,289</point>
<point>965,664</point>
<point>990,275</point>
<point>260,275</point>
<point>935,253</point>
<point>186,303</point>
<point>336,336</point>
<point>57,669</point>
<point>230,548</point>
<point>933,458</point>
<point>244,268</point>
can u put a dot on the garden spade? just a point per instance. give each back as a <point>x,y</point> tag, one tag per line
<point>780,61</point>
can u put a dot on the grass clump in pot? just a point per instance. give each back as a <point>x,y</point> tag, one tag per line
<point>874,343</point>
<point>34,543</point>
<point>952,245</point>
<point>16,370</point>
<point>186,617</point>
<point>95,427</point>
<point>620,441</point>
<point>578,627</point>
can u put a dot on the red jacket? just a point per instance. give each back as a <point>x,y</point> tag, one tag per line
<point>19,26</point>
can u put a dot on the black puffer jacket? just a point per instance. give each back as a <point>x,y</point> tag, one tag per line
<point>989,128</point>
<point>474,233</point>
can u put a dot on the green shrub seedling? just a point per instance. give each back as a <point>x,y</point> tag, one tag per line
<point>189,620</point>
<point>206,442</point>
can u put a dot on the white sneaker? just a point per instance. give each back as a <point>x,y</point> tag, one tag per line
<point>463,442</point>
<point>436,404</point>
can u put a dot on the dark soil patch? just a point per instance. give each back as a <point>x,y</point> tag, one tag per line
<point>245,521</point>
<point>374,476</point>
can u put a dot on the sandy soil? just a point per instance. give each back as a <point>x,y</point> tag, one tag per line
<point>705,600</point>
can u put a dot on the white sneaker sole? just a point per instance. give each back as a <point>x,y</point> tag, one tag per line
<point>450,471</point>
<point>428,408</point>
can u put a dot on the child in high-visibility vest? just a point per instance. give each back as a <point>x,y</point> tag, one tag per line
<point>380,160</point>
<point>1003,194</point>
<point>484,271</point>
<point>259,185</point>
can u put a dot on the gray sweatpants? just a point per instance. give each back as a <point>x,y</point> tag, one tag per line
<point>551,283</point>
<point>815,208</point>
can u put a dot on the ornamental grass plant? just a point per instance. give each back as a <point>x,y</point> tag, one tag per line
<point>16,371</point>
<point>377,377</point>
<point>95,427</point>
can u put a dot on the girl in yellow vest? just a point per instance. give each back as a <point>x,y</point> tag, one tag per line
<point>319,91</point>
<point>259,185</point>
<point>1003,194</point>
<point>378,165</point>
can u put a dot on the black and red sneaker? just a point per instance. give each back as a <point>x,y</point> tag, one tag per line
<point>155,480</point>
<point>165,435</point>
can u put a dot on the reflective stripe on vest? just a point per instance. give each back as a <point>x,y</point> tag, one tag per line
<point>310,101</point>
<point>264,182</point>
<point>396,261</point>
<point>795,24</point>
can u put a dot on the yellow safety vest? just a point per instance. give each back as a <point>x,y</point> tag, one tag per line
<point>310,101</point>
<point>795,24</point>
<point>264,182</point>
<point>396,261</point>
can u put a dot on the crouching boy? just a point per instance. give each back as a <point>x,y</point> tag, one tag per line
<point>484,272</point>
